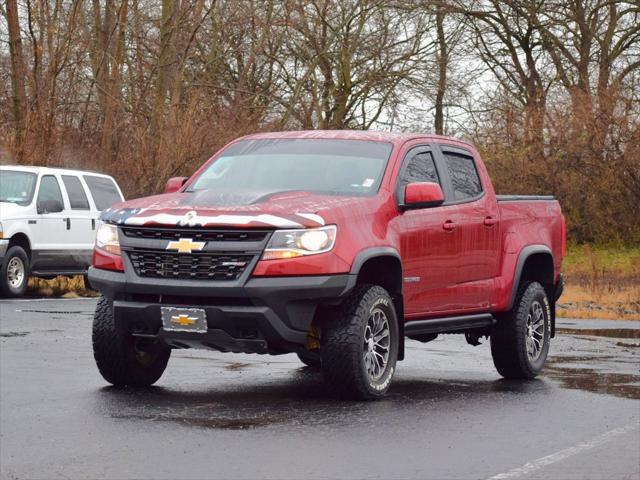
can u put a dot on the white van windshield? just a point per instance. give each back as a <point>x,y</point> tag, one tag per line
<point>17,187</point>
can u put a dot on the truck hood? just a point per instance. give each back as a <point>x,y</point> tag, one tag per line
<point>10,211</point>
<point>255,209</point>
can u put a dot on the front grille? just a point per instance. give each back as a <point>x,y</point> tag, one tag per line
<point>196,234</point>
<point>194,266</point>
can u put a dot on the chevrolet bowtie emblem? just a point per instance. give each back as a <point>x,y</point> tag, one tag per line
<point>183,320</point>
<point>186,245</point>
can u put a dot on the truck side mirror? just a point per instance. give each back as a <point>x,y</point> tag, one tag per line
<point>422,195</point>
<point>49,206</point>
<point>174,184</point>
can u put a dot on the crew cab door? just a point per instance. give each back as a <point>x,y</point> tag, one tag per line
<point>473,219</point>
<point>425,247</point>
<point>83,218</point>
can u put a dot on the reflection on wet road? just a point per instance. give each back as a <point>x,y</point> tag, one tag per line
<point>214,415</point>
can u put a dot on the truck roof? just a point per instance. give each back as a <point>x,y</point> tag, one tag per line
<point>369,135</point>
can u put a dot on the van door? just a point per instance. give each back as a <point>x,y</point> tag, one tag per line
<point>83,220</point>
<point>52,250</point>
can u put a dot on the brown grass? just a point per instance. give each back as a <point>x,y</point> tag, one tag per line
<point>66,287</point>
<point>601,283</point>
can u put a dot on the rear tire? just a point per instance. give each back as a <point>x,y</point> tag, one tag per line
<point>520,340</point>
<point>123,359</point>
<point>14,273</point>
<point>360,344</point>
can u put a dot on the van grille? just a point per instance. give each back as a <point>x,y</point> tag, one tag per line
<point>195,266</point>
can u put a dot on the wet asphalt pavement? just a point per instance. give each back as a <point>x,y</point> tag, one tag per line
<point>216,415</point>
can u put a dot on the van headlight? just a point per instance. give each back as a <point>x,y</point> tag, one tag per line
<point>299,242</point>
<point>107,238</point>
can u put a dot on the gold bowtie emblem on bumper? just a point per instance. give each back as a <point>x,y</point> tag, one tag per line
<point>186,245</point>
<point>183,320</point>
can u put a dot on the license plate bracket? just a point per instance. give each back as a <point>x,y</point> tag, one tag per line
<point>182,319</point>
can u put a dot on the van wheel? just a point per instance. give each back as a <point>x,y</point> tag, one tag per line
<point>14,272</point>
<point>520,340</point>
<point>310,359</point>
<point>123,359</point>
<point>360,344</point>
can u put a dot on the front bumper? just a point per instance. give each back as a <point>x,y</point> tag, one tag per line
<point>261,315</point>
<point>4,246</point>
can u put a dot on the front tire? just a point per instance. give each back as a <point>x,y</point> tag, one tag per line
<point>14,274</point>
<point>520,340</point>
<point>360,345</point>
<point>123,359</point>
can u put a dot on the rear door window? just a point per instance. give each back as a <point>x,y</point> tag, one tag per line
<point>75,190</point>
<point>103,190</point>
<point>464,176</point>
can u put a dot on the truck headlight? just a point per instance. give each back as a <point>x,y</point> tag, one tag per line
<point>296,243</point>
<point>107,238</point>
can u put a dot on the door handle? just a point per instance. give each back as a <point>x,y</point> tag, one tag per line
<point>449,226</point>
<point>68,221</point>
<point>490,221</point>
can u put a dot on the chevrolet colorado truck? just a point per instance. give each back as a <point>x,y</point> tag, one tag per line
<point>335,245</point>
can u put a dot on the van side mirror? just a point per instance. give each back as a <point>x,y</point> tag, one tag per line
<point>422,195</point>
<point>49,206</point>
<point>174,184</point>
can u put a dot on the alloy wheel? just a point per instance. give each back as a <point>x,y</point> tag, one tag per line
<point>377,341</point>
<point>535,331</point>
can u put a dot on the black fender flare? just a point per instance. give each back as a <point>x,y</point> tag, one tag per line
<point>524,254</point>
<point>373,252</point>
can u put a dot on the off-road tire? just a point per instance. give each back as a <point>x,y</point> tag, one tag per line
<point>343,347</point>
<point>115,352</point>
<point>6,289</point>
<point>310,359</point>
<point>509,337</point>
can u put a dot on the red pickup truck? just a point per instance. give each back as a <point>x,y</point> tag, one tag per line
<point>335,245</point>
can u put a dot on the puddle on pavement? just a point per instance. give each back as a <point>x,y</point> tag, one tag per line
<point>602,332</point>
<point>617,384</point>
<point>211,422</point>
<point>59,312</point>
<point>13,334</point>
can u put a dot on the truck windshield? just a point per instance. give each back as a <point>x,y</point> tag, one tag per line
<point>338,167</point>
<point>17,187</point>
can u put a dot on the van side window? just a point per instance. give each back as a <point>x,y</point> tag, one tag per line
<point>419,168</point>
<point>77,197</point>
<point>49,190</point>
<point>103,190</point>
<point>464,176</point>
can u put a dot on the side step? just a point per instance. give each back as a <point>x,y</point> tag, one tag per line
<point>449,324</point>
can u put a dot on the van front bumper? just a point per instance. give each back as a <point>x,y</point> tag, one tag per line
<point>263,315</point>
<point>4,246</point>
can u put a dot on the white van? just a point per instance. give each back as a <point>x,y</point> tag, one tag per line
<point>48,222</point>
